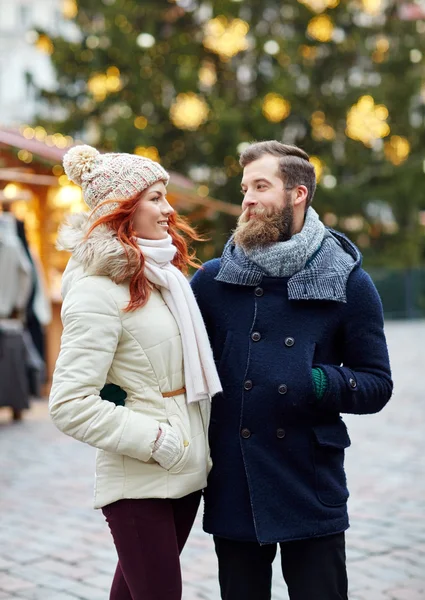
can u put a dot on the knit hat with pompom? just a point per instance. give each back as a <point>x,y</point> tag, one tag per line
<point>114,176</point>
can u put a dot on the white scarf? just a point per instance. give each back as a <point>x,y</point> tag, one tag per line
<point>201,378</point>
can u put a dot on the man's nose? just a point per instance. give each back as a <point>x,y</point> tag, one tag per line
<point>248,200</point>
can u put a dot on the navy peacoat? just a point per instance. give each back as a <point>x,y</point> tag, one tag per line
<point>278,451</point>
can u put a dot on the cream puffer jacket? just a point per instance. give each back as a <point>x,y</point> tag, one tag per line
<point>140,351</point>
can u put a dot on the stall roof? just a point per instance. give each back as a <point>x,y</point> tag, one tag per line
<point>180,185</point>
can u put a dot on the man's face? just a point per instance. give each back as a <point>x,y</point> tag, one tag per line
<point>267,215</point>
<point>262,185</point>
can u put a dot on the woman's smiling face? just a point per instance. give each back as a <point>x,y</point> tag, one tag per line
<point>150,220</point>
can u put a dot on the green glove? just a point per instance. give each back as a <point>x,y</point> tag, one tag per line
<point>320,382</point>
<point>113,393</point>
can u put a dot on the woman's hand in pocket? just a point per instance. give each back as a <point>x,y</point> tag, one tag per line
<point>168,447</point>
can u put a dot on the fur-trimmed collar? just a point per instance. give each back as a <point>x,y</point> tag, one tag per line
<point>100,253</point>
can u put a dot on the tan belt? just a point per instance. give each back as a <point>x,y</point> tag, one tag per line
<point>175,393</point>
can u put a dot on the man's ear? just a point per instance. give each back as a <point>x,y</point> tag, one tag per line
<point>300,195</point>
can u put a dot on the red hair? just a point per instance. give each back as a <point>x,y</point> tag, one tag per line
<point>120,221</point>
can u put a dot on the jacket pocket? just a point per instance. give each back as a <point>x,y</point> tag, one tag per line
<point>177,417</point>
<point>329,443</point>
<point>179,428</point>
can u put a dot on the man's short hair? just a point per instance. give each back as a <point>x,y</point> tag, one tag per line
<point>295,167</point>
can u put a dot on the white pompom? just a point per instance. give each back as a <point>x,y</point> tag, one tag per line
<point>79,160</point>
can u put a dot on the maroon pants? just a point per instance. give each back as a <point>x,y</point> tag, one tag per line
<point>149,536</point>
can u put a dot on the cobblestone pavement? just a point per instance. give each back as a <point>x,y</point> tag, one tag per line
<point>53,546</point>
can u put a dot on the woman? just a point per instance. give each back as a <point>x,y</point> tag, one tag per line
<point>131,322</point>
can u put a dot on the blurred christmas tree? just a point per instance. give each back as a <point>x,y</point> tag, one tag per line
<point>189,82</point>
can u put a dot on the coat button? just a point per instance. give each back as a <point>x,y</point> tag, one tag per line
<point>245,433</point>
<point>258,291</point>
<point>247,385</point>
<point>256,336</point>
<point>353,383</point>
<point>280,433</point>
<point>289,341</point>
<point>282,389</point>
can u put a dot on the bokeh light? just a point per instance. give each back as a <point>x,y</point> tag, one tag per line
<point>226,37</point>
<point>397,149</point>
<point>373,7</point>
<point>319,6</point>
<point>318,165</point>
<point>44,44</point>
<point>320,129</point>
<point>367,121</point>
<point>189,111</point>
<point>321,28</point>
<point>69,9</point>
<point>276,108</point>
<point>149,152</point>
<point>207,74</point>
<point>102,84</point>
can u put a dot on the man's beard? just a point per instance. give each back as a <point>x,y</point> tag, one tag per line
<point>267,227</point>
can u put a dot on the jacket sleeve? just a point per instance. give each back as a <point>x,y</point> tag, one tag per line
<point>92,330</point>
<point>362,383</point>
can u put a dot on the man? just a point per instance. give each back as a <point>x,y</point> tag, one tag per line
<point>296,328</point>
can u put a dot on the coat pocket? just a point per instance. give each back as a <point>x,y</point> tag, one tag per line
<point>179,428</point>
<point>178,419</point>
<point>329,443</point>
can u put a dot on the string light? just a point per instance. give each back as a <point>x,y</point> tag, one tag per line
<point>11,191</point>
<point>57,170</point>
<point>25,156</point>
<point>40,133</point>
<point>203,191</point>
<point>67,196</point>
<point>28,133</point>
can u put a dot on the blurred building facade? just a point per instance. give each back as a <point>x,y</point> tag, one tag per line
<point>25,55</point>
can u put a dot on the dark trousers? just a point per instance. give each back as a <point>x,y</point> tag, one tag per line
<point>313,569</point>
<point>149,536</point>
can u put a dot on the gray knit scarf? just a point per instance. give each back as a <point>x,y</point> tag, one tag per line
<point>284,259</point>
